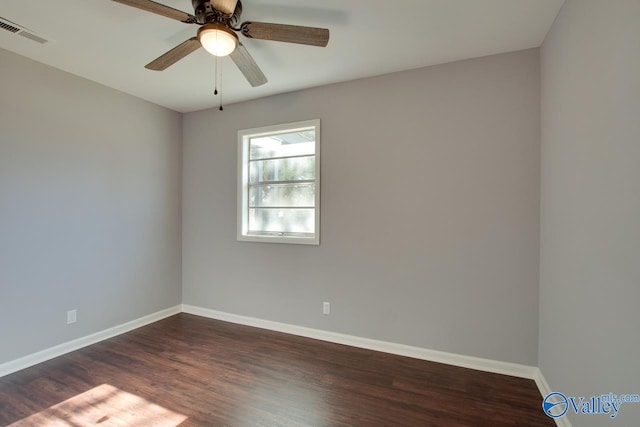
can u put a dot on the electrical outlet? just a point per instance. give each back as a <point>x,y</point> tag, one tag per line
<point>72,316</point>
<point>326,308</point>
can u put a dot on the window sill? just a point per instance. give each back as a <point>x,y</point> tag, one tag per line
<point>292,240</point>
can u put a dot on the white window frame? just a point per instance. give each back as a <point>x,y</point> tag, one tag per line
<point>244,137</point>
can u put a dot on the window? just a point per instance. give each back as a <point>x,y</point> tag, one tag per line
<point>279,183</point>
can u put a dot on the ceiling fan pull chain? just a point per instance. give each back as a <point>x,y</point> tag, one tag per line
<point>220,88</point>
<point>215,84</point>
<point>215,77</point>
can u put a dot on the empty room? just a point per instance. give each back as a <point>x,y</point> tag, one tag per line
<point>294,213</point>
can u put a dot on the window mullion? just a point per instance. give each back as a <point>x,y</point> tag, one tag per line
<point>281,183</point>
<point>298,156</point>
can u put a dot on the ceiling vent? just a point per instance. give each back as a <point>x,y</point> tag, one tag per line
<point>14,28</point>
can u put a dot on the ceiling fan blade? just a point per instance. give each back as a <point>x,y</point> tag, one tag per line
<point>224,6</point>
<point>174,55</point>
<point>248,66</point>
<point>160,9</point>
<point>286,33</point>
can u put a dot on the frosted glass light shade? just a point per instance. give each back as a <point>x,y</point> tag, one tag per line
<point>217,39</point>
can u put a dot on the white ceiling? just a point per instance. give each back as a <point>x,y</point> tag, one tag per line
<point>110,43</point>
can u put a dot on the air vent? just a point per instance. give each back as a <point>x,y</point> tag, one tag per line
<point>14,28</point>
<point>5,26</point>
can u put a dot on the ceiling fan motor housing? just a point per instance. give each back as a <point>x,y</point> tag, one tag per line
<point>205,13</point>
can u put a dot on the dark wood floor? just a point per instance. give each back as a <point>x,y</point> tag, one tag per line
<point>220,374</point>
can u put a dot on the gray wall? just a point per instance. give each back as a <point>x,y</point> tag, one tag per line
<point>90,217</point>
<point>430,210</point>
<point>590,217</point>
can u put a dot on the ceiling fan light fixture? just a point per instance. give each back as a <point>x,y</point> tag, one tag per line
<point>217,39</point>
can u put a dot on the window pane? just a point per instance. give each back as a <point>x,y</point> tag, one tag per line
<point>282,220</point>
<point>283,195</point>
<point>294,169</point>
<point>283,145</point>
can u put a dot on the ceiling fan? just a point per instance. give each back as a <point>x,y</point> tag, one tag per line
<point>217,34</point>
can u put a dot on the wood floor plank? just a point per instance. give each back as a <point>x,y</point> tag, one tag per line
<point>220,374</point>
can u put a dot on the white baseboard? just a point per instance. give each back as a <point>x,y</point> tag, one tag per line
<point>49,353</point>
<point>487,365</point>
<point>542,383</point>
<point>545,389</point>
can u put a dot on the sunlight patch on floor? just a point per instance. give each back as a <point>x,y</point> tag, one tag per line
<point>104,406</point>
